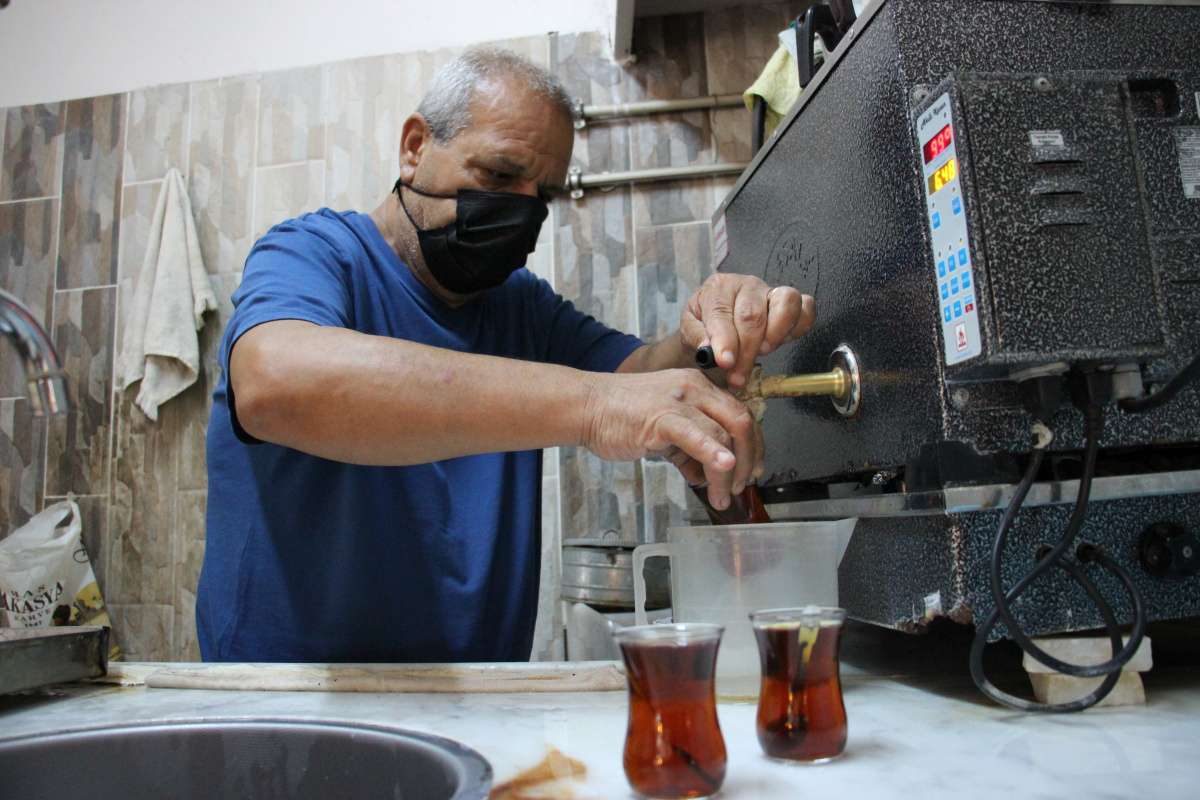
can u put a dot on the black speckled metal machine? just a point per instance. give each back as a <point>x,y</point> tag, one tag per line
<point>989,198</point>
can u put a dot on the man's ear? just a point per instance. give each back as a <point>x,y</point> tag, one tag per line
<point>415,138</point>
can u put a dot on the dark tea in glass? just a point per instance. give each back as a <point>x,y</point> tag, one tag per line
<point>673,745</point>
<point>801,716</point>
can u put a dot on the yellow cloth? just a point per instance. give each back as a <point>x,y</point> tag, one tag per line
<point>778,85</point>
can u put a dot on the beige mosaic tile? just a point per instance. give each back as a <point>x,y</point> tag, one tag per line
<point>27,233</point>
<point>189,556</point>
<point>156,132</point>
<point>282,193</point>
<point>91,200</point>
<point>31,140</point>
<point>22,454</point>
<point>291,125</point>
<point>144,632</point>
<point>221,169</point>
<point>79,443</point>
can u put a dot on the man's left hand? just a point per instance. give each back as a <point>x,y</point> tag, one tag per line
<point>742,318</point>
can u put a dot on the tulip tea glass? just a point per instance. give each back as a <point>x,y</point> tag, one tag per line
<point>801,716</point>
<point>673,745</point>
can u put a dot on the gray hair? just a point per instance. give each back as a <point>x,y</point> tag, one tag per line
<point>446,105</point>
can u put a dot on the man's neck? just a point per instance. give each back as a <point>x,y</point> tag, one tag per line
<point>401,236</point>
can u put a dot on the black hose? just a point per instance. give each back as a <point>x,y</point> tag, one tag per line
<point>1056,557</point>
<point>1167,393</point>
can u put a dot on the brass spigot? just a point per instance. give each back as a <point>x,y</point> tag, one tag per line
<point>841,384</point>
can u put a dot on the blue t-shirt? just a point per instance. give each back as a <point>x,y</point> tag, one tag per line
<point>313,560</point>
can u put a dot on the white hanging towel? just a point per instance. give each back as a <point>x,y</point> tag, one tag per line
<point>160,346</point>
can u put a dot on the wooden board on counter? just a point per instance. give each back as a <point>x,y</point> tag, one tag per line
<point>587,676</point>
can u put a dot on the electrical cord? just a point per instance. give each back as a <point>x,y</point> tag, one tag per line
<point>1048,559</point>
<point>1167,393</point>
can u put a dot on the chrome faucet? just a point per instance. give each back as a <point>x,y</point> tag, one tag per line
<point>43,370</point>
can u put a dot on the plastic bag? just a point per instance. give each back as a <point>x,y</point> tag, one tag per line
<point>46,577</point>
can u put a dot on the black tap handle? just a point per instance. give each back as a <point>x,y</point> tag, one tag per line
<point>706,358</point>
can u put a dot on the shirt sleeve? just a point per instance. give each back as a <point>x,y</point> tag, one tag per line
<point>291,273</point>
<point>575,339</point>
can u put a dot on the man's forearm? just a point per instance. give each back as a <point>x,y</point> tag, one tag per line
<point>666,354</point>
<point>350,397</point>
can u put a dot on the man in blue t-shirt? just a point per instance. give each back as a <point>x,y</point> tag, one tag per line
<point>389,382</point>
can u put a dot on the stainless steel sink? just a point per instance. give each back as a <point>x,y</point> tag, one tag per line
<point>259,759</point>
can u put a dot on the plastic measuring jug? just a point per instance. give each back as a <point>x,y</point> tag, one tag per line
<point>721,573</point>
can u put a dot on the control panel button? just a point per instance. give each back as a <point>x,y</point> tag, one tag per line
<point>962,257</point>
<point>956,206</point>
<point>945,291</point>
<point>946,313</point>
<point>966,280</point>
<point>942,269</point>
<point>958,309</point>
<point>954,285</point>
<point>937,220</point>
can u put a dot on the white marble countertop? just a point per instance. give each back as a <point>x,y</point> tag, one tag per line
<point>909,738</point>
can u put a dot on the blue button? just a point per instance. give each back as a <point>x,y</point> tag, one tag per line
<point>937,220</point>
<point>945,292</point>
<point>941,269</point>
<point>954,285</point>
<point>957,309</point>
<point>962,257</point>
<point>957,205</point>
<point>946,313</point>
<point>966,280</point>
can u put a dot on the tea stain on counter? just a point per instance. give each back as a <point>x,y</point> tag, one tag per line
<point>549,779</point>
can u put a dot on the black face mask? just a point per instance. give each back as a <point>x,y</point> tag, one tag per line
<point>489,239</point>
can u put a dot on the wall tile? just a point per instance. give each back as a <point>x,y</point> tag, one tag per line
<point>548,642</point>
<point>79,442</point>
<point>673,261</point>
<point>91,202</point>
<point>291,126</point>
<point>666,499</point>
<point>671,202</point>
<point>144,632</point>
<point>27,233</point>
<point>670,65</point>
<point>142,516</point>
<point>284,192</point>
<point>738,43</point>
<point>137,214</point>
<point>32,140</point>
<point>368,101</point>
<point>189,556</point>
<point>22,456</point>
<point>595,260</point>
<point>156,132</point>
<point>221,169</point>
<point>581,61</point>
<point>600,499</point>
<point>196,403</point>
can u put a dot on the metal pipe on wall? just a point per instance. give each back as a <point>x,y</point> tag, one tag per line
<point>584,113</point>
<point>577,182</point>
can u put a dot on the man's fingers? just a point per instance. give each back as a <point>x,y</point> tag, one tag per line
<point>704,440</point>
<point>716,301</point>
<point>750,316</point>
<point>784,308</point>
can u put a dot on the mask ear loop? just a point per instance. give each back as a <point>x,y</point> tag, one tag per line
<point>401,184</point>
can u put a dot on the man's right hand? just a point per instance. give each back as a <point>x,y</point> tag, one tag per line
<point>679,415</point>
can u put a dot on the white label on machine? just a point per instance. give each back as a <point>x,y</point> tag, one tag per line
<point>953,263</point>
<point>1188,141</point>
<point>1047,139</point>
<point>720,242</point>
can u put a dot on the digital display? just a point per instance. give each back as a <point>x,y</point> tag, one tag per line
<point>944,174</point>
<point>938,144</point>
